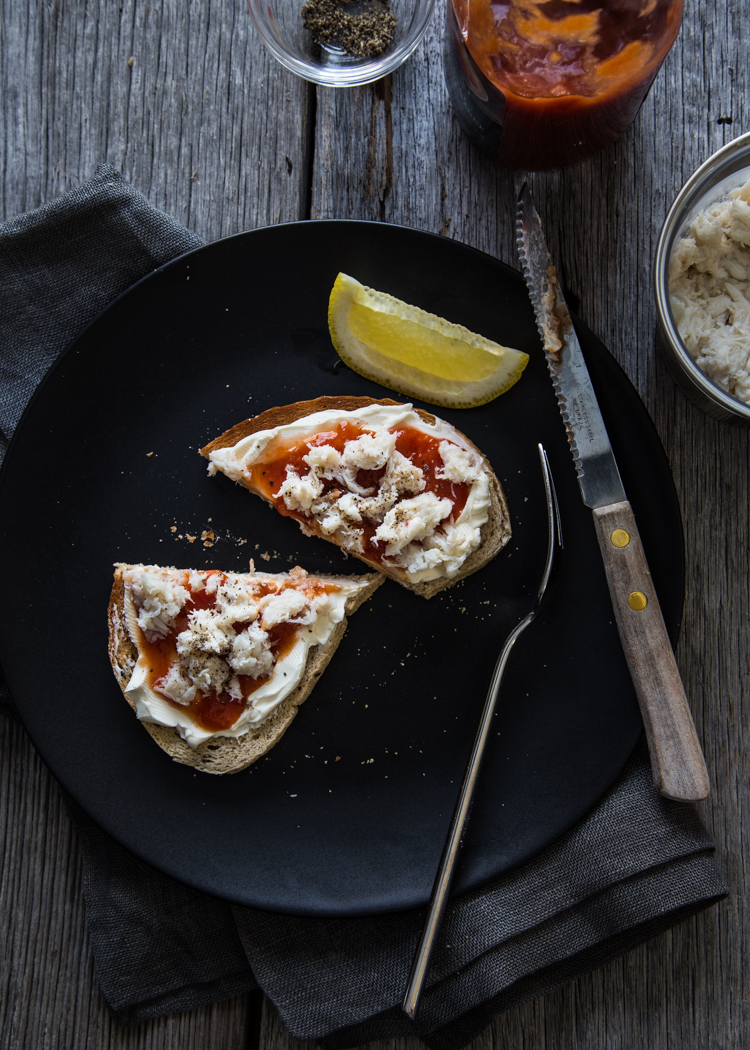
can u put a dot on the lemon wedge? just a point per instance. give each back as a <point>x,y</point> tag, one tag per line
<point>416,353</point>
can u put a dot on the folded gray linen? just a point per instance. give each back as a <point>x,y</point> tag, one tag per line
<point>635,865</point>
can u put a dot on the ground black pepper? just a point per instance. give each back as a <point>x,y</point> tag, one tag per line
<point>363,35</point>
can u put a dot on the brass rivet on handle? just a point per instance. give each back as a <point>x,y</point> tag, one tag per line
<point>637,600</point>
<point>620,538</point>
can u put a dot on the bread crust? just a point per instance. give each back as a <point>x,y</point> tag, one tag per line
<point>494,534</point>
<point>226,754</point>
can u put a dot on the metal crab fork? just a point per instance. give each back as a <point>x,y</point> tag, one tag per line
<point>444,878</point>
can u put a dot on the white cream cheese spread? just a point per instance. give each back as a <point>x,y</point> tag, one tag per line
<point>367,495</point>
<point>224,647</point>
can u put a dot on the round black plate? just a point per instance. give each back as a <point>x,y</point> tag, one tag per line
<point>348,814</point>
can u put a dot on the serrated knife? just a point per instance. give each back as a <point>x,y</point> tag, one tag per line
<point>679,769</point>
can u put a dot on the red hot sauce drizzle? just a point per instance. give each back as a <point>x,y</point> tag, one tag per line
<point>268,473</point>
<point>211,711</point>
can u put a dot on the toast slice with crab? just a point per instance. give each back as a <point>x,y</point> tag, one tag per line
<point>216,664</point>
<point>396,487</point>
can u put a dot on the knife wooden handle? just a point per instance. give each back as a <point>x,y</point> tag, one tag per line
<point>677,762</point>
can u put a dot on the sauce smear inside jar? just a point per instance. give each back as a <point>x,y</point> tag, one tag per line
<point>546,85</point>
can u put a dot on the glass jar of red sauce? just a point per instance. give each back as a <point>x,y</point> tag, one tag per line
<point>541,85</point>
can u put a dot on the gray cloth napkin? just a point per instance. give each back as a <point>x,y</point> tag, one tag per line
<point>632,867</point>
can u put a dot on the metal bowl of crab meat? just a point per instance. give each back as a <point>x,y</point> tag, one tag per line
<point>702,284</point>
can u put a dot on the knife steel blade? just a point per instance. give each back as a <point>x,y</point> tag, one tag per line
<point>677,762</point>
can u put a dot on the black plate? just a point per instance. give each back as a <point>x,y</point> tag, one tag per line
<point>347,815</point>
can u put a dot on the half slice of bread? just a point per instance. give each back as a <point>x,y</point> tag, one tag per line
<point>227,754</point>
<point>494,533</point>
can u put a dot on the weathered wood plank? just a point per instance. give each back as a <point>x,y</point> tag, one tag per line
<point>182,98</point>
<point>49,994</point>
<point>210,128</point>
<point>689,987</point>
<point>214,132</point>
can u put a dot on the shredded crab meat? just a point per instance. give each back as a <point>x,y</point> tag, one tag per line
<point>459,464</point>
<point>211,652</point>
<point>159,601</point>
<point>251,654</point>
<point>412,520</point>
<point>411,523</point>
<point>177,686</point>
<point>709,287</point>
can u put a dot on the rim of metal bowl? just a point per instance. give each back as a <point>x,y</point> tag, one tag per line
<point>731,159</point>
<point>344,76</point>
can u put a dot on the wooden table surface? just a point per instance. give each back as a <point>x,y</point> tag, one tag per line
<point>182,98</point>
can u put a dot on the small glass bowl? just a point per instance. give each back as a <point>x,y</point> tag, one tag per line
<point>725,170</point>
<point>280,25</point>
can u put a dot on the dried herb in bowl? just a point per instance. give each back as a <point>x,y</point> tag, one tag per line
<point>365,34</point>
